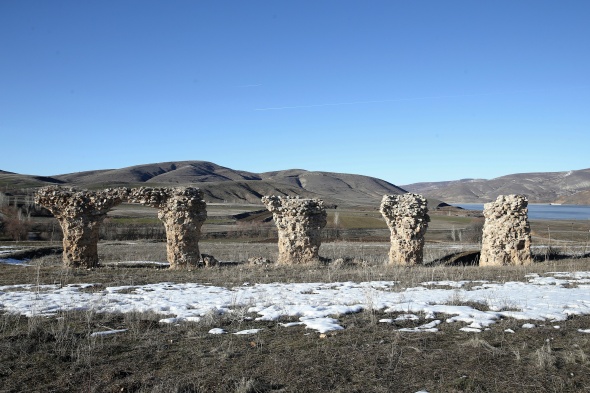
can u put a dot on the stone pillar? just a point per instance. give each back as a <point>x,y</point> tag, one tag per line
<point>80,213</point>
<point>506,238</point>
<point>183,211</point>
<point>407,217</point>
<point>299,222</point>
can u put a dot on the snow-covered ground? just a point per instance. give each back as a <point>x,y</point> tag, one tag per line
<point>10,261</point>
<point>8,250</point>
<point>549,298</point>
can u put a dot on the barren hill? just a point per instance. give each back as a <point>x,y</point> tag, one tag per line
<point>347,187</point>
<point>10,180</point>
<point>180,172</point>
<point>225,184</point>
<point>544,187</point>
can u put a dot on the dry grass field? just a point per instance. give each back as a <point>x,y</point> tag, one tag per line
<point>60,353</point>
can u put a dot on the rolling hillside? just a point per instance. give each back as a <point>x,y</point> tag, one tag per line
<point>225,184</point>
<point>544,187</point>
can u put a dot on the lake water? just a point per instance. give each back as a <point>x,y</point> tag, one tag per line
<point>545,212</point>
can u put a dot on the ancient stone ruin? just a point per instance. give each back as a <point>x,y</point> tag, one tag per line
<point>299,222</point>
<point>407,218</point>
<point>183,211</point>
<point>506,236</point>
<point>80,213</point>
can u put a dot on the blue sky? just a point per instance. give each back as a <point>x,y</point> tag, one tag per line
<point>406,91</point>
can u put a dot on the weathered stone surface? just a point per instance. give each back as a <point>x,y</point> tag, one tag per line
<point>80,213</point>
<point>506,236</point>
<point>299,222</point>
<point>407,218</point>
<point>183,211</point>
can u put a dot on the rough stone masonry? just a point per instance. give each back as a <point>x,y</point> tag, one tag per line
<point>183,211</point>
<point>299,222</point>
<point>80,214</point>
<point>407,218</point>
<point>506,238</point>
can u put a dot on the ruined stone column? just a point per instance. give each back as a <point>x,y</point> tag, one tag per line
<point>299,222</point>
<point>80,213</point>
<point>407,218</point>
<point>506,238</point>
<point>183,211</point>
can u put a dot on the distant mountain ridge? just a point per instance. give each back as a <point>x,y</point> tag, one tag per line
<point>567,187</point>
<point>220,183</point>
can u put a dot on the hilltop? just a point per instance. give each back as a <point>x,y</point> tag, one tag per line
<point>568,187</point>
<point>222,184</point>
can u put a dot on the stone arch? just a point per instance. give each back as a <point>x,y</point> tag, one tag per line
<point>81,212</point>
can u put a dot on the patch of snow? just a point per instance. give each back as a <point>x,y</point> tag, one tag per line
<point>9,249</point>
<point>509,330</point>
<point>528,326</point>
<point>322,325</point>
<point>107,332</point>
<point>217,331</point>
<point>318,305</point>
<point>454,284</point>
<point>170,320</point>
<point>471,330</point>
<point>11,261</point>
<point>289,324</point>
<point>429,327</point>
<point>547,281</point>
<point>407,317</point>
<point>584,330</point>
<point>248,331</point>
